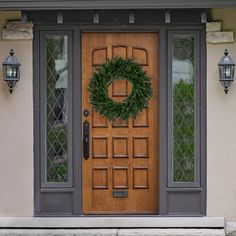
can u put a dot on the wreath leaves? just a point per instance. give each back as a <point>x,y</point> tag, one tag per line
<point>120,69</point>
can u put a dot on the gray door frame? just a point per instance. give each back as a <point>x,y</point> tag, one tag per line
<point>166,193</point>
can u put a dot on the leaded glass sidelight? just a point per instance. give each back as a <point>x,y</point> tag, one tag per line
<point>183,108</point>
<point>56,108</point>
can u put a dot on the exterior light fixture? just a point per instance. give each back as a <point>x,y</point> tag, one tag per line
<point>226,71</point>
<point>11,70</point>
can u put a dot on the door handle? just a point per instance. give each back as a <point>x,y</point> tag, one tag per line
<point>86,139</point>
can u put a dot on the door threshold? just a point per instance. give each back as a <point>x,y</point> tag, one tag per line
<point>111,222</point>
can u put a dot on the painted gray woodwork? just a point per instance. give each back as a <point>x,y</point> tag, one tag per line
<point>50,196</point>
<point>180,195</point>
<point>163,122</point>
<point>179,200</point>
<point>119,17</point>
<point>112,4</point>
<point>51,203</point>
<point>37,139</point>
<point>184,202</point>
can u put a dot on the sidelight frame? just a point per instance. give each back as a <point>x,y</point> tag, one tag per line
<point>69,191</point>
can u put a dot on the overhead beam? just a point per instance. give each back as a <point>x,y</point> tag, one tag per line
<point>112,4</point>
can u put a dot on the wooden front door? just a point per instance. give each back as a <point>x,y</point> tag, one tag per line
<point>121,174</point>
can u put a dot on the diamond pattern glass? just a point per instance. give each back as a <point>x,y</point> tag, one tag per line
<point>57,128</point>
<point>183,95</point>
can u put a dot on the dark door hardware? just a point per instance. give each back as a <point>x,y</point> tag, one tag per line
<point>86,139</point>
<point>120,193</point>
<point>86,112</point>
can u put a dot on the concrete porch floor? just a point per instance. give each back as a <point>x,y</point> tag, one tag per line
<point>112,232</point>
<point>112,226</point>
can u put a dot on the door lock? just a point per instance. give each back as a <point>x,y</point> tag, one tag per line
<point>86,112</point>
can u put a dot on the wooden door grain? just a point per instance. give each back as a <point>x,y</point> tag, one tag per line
<point>121,174</point>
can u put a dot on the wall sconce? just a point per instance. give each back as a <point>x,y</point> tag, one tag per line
<point>226,71</point>
<point>11,70</point>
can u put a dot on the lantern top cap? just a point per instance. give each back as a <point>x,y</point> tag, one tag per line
<point>225,52</point>
<point>11,59</point>
<point>226,60</point>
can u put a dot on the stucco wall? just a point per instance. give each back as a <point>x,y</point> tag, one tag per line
<point>221,128</point>
<point>16,130</point>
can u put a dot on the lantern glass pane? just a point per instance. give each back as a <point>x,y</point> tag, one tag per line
<point>12,72</point>
<point>227,72</point>
<point>221,72</point>
<point>232,71</point>
<point>183,108</point>
<point>57,108</point>
<point>9,71</point>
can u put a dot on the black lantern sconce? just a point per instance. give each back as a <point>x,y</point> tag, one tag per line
<point>11,70</point>
<point>226,71</point>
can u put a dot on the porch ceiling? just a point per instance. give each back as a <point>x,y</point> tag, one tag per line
<point>112,4</point>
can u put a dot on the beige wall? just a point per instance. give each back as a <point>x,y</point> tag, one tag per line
<point>16,130</point>
<point>221,128</point>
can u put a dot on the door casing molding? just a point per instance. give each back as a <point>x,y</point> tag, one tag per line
<point>165,192</point>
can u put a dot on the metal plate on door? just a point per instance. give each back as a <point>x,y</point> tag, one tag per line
<point>120,193</point>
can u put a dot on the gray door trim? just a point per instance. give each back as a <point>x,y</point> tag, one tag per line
<point>73,187</point>
<point>166,194</point>
<point>37,134</point>
<point>197,190</point>
<point>111,4</point>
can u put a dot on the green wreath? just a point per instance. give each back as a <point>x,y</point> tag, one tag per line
<point>120,69</point>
